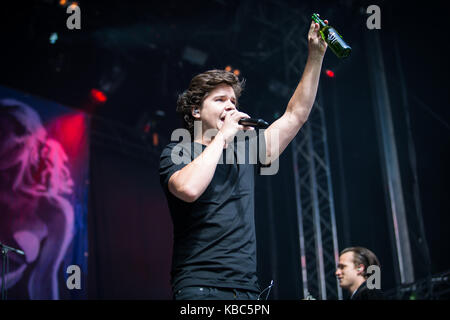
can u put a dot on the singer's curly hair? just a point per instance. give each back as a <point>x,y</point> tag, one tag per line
<point>362,256</point>
<point>200,87</point>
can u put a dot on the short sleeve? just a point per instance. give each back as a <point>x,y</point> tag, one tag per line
<point>261,148</point>
<point>174,157</point>
<point>262,151</point>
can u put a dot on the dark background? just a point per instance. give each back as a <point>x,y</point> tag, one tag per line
<point>136,47</point>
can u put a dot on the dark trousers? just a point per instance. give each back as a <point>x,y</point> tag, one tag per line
<point>213,293</point>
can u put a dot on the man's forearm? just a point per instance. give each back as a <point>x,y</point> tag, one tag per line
<point>302,100</point>
<point>190,182</point>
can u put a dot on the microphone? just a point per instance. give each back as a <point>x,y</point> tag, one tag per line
<point>8,248</point>
<point>256,123</point>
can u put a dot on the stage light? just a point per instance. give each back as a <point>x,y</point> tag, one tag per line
<point>195,56</point>
<point>160,113</point>
<point>329,73</point>
<point>70,130</point>
<point>155,139</point>
<point>236,72</point>
<point>62,2</point>
<point>53,38</point>
<point>98,96</point>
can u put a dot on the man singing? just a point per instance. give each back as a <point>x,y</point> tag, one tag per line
<point>211,199</point>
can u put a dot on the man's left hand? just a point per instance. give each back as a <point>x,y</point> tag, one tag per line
<point>315,42</point>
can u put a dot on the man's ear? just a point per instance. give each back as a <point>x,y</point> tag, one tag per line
<point>195,113</point>
<point>360,269</point>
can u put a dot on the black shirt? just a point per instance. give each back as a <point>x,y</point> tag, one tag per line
<point>364,293</point>
<point>214,236</point>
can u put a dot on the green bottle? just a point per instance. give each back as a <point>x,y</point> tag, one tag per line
<point>333,38</point>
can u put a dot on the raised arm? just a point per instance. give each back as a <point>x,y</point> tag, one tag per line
<point>301,102</point>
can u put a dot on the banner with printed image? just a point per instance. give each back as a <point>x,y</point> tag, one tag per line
<point>44,166</point>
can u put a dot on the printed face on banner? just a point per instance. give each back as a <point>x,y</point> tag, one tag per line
<point>36,202</point>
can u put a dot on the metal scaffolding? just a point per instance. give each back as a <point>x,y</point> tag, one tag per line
<point>315,209</point>
<point>314,194</point>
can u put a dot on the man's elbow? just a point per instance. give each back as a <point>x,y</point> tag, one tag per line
<point>185,193</point>
<point>301,117</point>
<point>298,114</point>
<point>190,195</point>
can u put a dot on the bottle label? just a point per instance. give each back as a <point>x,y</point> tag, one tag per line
<point>332,37</point>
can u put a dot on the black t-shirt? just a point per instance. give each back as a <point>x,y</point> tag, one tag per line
<point>214,236</point>
<point>364,293</point>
